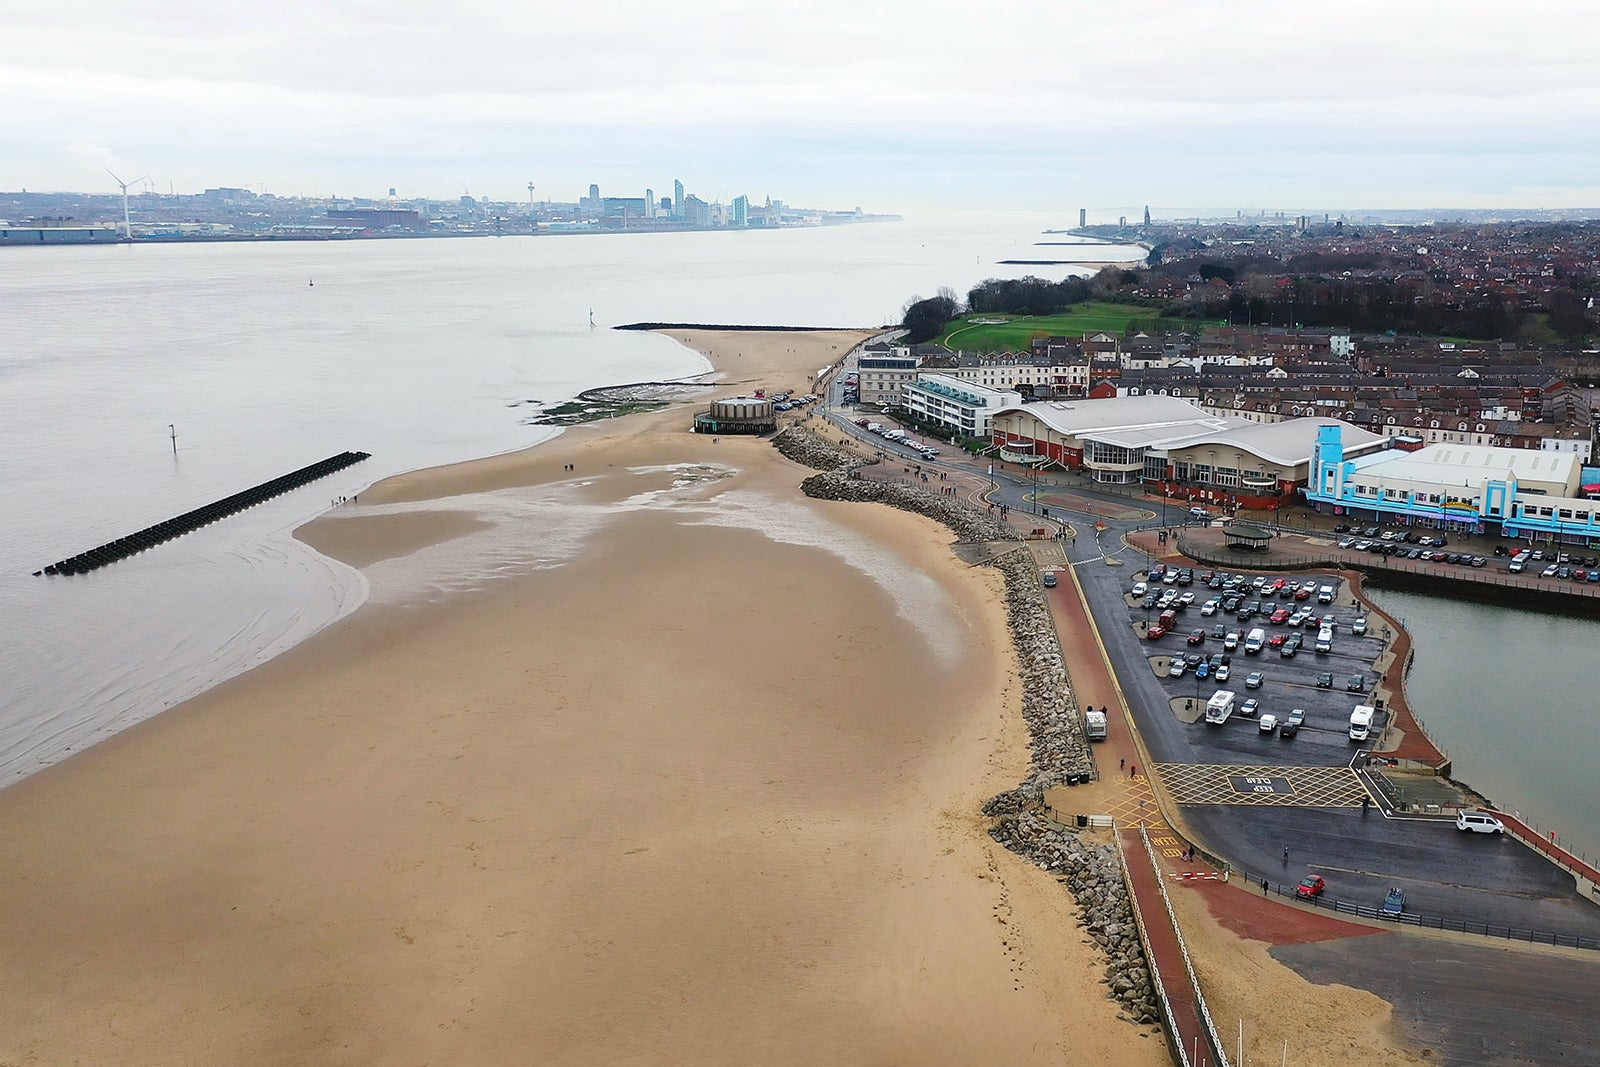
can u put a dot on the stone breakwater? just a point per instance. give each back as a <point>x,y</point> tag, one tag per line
<point>1094,876</point>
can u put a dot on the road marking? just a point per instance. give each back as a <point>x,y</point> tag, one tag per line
<point>1299,787</point>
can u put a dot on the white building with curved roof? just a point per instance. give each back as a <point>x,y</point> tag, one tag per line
<point>1165,441</point>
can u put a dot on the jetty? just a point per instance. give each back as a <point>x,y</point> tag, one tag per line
<point>189,521</point>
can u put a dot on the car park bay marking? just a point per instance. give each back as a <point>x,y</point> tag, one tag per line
<point>1298,787</point>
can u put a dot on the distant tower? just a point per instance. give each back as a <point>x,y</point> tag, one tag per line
<point>677,199</point>
<point>391,192</point>
<point>594,192</point>
<point>1147,214</point>
<point>649,203</point>
<point>1122,221</point>
<point>530,194</point>
<point>1083,217</point>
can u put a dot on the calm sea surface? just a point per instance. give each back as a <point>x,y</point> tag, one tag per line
<point>1507,694</point>
<point>420,352</point>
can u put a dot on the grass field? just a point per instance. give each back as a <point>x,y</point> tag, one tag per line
<point>1015,334</point>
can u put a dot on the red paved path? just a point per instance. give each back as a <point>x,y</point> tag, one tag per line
<point>1165,956</point>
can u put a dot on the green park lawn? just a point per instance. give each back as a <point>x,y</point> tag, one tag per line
<point>1016,333</point>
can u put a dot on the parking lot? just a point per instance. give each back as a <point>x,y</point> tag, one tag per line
<point>1321,684</point>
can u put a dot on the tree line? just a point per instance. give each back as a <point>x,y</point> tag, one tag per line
<point>925,319</point>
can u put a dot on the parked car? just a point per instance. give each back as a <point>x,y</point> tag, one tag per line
<point>1231,641</point>
<point>1267,723</point>
<point>1310,886</point>
<point>1221,673</point>
<point>1254,679</point>
<point>1291,723</point>
<point>1210,606</point>
<point>1279,616</point>
<point>1139,589</point>
<point>1359,627</point>
<point>1156,631</point>
<point>1196,636</point>
<point>1150,600</point>
<point>1479,822</point>
<point>1291,646</point>
<point>1203,670</point>
<point>1356,684</point>
<point>1277,640</point>
<point>1249,708</point>
<point>1325,680</point>
<point>1049,579</point>
<point>1176,668</point>
<point>1394,905</point>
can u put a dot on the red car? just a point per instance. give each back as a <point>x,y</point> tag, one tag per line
<point>1277,640</point>
<point>1157,631</point>
<point>1310,886</point>
<point>1196,636</point>
<point>1279,617</point>
<point>1303,593</point>
<point>1279,583</point>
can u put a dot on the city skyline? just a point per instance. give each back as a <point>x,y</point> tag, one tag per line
<point>1383,106</point>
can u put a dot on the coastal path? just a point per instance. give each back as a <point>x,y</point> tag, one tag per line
<point>1187,1029</point>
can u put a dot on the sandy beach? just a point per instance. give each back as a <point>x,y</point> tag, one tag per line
<point>650,760</point>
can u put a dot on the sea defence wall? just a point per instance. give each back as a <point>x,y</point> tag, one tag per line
<point>189,521</point>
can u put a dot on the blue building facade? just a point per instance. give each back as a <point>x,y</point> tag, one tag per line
<point>1394,488</point>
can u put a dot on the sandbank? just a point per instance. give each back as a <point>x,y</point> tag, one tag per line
<point>676,767</point>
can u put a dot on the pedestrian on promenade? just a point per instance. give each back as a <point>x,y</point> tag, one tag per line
<point>1133,770</point>
<point>1263,887</point>
<point>1286,853</point>
<point>1122,764</point>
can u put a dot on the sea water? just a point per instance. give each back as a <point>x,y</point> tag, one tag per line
<point>139,382</point>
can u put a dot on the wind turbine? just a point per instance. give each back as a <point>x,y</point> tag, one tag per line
<point>127,223</point>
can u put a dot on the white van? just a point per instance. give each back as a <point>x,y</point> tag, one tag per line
<point>1219,707</point>
<point>1255,640</point>
<point>1094,725</point>
<point>1479,822</point>
<point>1325,595</point>
<point>1324,639</point>
<point>1361,721</point>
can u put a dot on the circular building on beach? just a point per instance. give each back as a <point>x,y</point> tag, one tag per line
<point>738,415</point>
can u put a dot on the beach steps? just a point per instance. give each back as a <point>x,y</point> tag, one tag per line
<point>189,521</point>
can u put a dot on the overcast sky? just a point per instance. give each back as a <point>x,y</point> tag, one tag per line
<point>903,105</point>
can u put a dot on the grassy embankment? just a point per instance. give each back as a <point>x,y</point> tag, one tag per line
<point>1015,334</point>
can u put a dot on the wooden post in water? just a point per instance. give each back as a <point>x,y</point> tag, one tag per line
<point>173,430</point>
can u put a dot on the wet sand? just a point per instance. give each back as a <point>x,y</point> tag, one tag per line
<point>649,761</point>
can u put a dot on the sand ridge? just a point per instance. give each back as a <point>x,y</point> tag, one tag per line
<point>694,795</point>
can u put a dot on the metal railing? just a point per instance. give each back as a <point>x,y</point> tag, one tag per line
<point>1183,950</point>
<point>1175,1040</point>
<point>1480,927</point>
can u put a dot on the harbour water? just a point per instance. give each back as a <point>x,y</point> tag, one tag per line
<point>263,358</point>
<point>1504,692</point>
